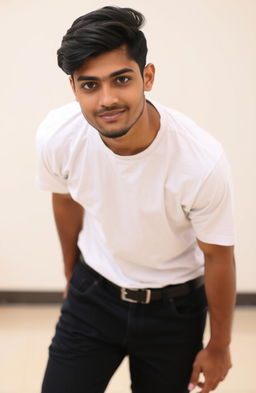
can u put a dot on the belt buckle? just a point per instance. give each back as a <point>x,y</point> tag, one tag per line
<point>124,295</point>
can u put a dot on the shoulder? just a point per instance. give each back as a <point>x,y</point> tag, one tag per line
<point>190,143</point>
<point>61,126</point>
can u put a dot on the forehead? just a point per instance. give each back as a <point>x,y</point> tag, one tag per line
<point>106,63</point>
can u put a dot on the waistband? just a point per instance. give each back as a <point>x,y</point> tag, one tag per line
<point>147,295</point>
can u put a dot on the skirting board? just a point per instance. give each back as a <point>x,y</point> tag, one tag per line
<point>9,297</point>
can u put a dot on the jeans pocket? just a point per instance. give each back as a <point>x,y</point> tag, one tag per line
<point>191,305</point>
<point>82,280</point>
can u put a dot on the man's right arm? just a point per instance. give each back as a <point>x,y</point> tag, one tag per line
<point>68,216</point>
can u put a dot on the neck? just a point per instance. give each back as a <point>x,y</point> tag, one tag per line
<point>139,137</point>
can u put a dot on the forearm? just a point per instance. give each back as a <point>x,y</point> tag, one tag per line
<point>220,292</point>
<point>68,216</point>
<point>214,361</point>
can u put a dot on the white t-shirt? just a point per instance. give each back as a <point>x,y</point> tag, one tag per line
<point>143,212</point>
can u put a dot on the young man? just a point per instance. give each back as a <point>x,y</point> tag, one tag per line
<point>142,203</point>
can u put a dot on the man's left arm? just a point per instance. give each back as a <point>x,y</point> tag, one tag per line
<point>214,360</point>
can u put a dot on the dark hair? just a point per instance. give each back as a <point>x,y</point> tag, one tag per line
<point>101,31</point>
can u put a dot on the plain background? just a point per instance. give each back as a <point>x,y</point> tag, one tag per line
<point>204,53</point>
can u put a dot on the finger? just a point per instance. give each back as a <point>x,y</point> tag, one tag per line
<point>224,376</point>
<point>211,384</point>
<point>209,387</point>
<point>206,389</point>
<point>194,378</point>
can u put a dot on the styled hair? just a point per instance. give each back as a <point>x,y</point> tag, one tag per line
<point>101,31</point>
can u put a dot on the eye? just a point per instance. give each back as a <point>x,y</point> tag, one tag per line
<point>122,80</point>
<point>89,85</point>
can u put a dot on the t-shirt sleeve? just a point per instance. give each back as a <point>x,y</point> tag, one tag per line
<point>50,176</point>
<point>212,211</point>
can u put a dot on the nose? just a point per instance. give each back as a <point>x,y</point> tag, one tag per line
<point>107,96</point>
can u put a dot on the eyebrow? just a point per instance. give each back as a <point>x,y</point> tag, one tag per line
<point>95,78</point>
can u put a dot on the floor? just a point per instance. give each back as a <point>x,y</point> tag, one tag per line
<point>25,332</point>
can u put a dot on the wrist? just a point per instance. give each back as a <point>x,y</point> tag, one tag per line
<point>217,346</point>
<point>68,273</point>
<point>69,264</point>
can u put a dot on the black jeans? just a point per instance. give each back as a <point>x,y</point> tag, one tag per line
<point>97,329</point>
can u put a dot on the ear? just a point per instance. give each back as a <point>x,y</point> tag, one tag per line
<point>72,84</point>
<point>149,76</point>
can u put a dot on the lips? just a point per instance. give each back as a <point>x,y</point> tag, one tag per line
<point>112,115</point>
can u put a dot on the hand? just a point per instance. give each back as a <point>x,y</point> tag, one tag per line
<point>214,364</point>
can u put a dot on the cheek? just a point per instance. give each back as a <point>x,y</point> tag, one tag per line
<point>134,98</point>
<point>137,99</point>
<point>87,105</point>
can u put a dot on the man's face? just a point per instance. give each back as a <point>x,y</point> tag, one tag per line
<point>110,90</point>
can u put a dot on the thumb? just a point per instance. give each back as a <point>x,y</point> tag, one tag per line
<point>194,378</point>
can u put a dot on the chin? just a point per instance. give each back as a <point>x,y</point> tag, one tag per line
<point>114,134</point>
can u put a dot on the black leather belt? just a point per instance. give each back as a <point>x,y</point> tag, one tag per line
<point>147,295</point>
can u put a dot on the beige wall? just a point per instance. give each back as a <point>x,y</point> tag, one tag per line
<point>204,52</point>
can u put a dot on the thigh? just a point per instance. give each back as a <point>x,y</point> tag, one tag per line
<point>167,343</point>
<point>87,372</point>
<point>84,352</point>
